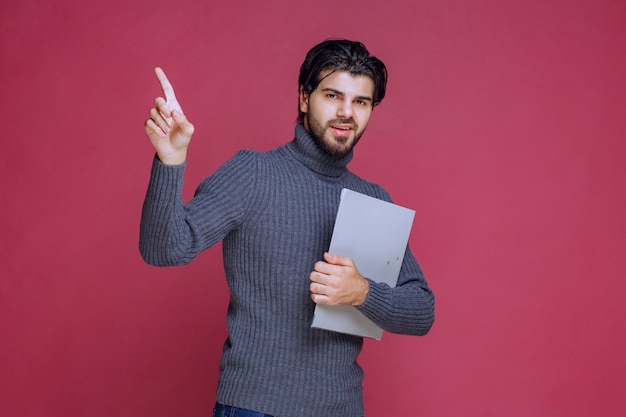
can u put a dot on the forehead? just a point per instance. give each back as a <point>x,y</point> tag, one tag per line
<point>347,83</point>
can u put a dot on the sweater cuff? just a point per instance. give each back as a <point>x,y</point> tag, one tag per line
<point>375,304</point>
<point>165,179</point>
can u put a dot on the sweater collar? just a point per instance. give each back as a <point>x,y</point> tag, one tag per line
<point>305,150</point>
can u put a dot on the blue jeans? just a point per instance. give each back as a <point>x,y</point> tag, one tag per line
<point>222,410</point>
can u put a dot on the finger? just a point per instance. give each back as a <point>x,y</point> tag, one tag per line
<point>324,268</point>
<point>151,127</point>
<point>163,108</point>
<point>338,259</point>
<point>168,90</point>
<point>157,118</point>
<point>185,125</point>
<point>318,289</point>
<point>166,86</point>
<point>317,277</point>
<point>320,299</point>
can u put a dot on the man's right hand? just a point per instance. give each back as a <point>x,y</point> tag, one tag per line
<point>169,130</point>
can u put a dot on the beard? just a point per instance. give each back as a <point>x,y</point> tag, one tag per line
<point>335,146</point>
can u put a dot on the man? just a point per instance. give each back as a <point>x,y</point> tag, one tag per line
<point>275,212</point>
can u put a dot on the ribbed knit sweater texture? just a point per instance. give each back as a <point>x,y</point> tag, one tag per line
<point>274,212</point>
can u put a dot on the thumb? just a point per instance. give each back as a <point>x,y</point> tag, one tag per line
<point>337,259</point>
<point>185,125</point>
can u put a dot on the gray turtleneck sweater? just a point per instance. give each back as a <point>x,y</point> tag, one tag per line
<point>275,212</point>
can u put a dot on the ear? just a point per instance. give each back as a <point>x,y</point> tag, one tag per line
<point>304,100</point>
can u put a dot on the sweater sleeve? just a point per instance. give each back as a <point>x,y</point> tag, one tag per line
<point>173,233</point>
<point>408,308</point>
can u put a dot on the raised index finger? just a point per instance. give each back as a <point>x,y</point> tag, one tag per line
<point>166,86</point>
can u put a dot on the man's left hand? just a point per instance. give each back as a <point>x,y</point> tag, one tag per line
<point>337,282</point>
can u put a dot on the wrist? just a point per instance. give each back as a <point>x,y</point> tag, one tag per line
<point>365,289</point>
<point>172,159</point>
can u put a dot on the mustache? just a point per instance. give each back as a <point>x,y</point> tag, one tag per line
<point>350,122</point>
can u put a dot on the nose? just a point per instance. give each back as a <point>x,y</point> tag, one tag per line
<point>345,109</point>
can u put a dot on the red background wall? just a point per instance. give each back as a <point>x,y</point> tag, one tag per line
<point>503,127</point>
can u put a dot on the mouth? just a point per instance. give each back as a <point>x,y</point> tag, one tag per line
<point>342,129</point>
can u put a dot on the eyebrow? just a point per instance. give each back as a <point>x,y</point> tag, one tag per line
<point>341,93</point>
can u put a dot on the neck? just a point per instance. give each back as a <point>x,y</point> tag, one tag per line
<point>306,150</point>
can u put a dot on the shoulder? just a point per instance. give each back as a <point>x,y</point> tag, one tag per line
<point>244,167</point>
<point>244,161</point>
<point>239,171</point>
<point>244,156</point>
<point>249,155</point>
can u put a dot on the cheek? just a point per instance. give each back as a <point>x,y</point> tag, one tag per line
<point>364,117</point>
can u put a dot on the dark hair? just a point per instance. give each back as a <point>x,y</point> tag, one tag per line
<point>341,55</point>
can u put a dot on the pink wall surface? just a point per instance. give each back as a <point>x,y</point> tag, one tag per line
<point>504,128</point>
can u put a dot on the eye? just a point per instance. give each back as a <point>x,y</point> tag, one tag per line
<point>331,95</point>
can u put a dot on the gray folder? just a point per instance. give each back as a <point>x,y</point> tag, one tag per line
<point>374,233</point>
